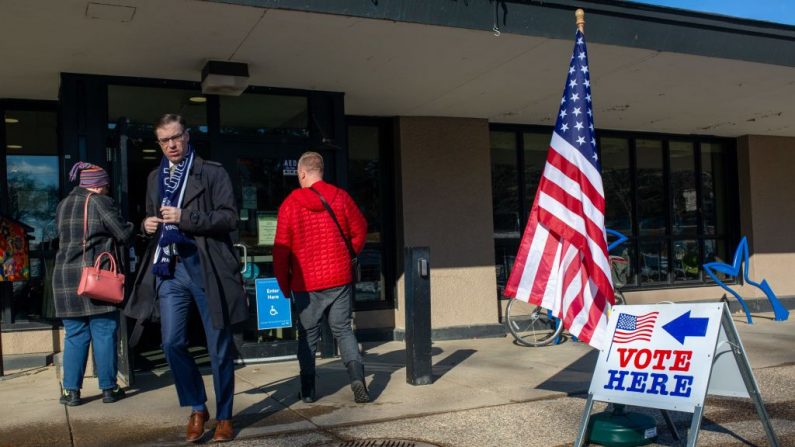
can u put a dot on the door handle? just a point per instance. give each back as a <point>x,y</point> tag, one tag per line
<point>245,257</point>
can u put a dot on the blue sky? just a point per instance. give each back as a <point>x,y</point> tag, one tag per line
<point>778,11</point>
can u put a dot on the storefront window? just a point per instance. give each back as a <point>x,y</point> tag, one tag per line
<point>617,181</point>
<point>668,196</point>
<point>33,191</point>
<point>504,198</point>
<point>535,147</point>
<point>141,107</point>
<point>256,115</point>
<point>713,185</point>
<point>367,186</point>
<point>683,188</point>
<point>651,187</point>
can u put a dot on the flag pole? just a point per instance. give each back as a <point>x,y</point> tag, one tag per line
<point>580,15</point>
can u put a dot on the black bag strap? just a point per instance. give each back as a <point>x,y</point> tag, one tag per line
<point>339,227</point>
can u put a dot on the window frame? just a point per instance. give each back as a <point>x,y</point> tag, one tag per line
<point>386,155</point>
<point>9,322</point>
<point>728,238</point>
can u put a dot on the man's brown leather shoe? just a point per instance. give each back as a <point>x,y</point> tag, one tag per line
<point>196,425</point>
<point>223,431</point>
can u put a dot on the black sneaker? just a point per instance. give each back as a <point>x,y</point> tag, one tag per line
<point>112,395</point>
<point>71,398</point>
<point>358,386</point>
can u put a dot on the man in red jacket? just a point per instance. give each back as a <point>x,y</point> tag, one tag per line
<point>319,230</point>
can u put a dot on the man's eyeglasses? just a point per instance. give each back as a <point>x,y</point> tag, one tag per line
<point>165,141</point>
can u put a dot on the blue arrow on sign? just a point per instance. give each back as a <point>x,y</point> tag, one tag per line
<point>685,326</point>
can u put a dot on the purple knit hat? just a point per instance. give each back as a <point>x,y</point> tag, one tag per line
<point>91,176</point>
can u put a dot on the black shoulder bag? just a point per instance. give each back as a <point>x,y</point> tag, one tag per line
<point>355,268</point>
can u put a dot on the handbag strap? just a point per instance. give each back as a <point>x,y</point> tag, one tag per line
<point>85,226</point>
<point>85,235</point>
<point>98,262</point>
<point>339,227</point>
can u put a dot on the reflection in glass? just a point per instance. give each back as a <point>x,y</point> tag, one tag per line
<point>616,177</point>
<point>536,146</point>
<point>653,261</point>
<point>504,183</point>
<point>33,193</point>
<point>685,258</point>
<point>31,132</point>
<point>365,186</point>
<point>651,203</point>
<point>683,188</point>
<point>626,254</point>
<point>255,115</point>
<point>33,189</point>
<point>143,106</point>
<point>715,251</point>
<point>713,184</point>
<point>505,255</point>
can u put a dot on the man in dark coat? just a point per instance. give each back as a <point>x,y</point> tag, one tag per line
<point>191,260</point>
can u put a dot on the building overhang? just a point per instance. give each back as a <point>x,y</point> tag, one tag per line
<point>725,77</point>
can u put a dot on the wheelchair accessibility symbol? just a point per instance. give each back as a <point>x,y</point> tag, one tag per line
<point>273,309</point>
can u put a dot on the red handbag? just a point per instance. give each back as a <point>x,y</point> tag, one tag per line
<point>95,283</point>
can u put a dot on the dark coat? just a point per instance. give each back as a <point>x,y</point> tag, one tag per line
<point>209,215</point>
<point>104,225</point>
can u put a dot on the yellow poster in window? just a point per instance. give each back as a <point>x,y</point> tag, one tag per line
<point>266,228</point>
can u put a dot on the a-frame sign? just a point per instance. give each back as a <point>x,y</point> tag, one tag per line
<point>670,356</point>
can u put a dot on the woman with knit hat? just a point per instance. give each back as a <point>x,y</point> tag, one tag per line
<point>85,320</point>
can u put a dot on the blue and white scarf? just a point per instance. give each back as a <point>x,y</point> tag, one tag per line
<point>172,191</point>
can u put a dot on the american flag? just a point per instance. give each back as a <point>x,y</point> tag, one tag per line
<point>634,327</point>
<point>562,262</point>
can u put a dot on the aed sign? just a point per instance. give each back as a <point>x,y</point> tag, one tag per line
<point>659,356</point>
<point>290,167</point>
<point>273,309</point>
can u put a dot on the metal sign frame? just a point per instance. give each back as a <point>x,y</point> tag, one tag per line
<point>744,367</point>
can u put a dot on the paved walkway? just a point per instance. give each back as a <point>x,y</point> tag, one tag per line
<point>487,392</point>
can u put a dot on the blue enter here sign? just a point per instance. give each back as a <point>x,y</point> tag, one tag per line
<point>273,309</point>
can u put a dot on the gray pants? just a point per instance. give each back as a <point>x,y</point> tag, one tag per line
<point>335,303</point>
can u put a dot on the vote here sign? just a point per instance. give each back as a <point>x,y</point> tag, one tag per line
<point>659,356</point>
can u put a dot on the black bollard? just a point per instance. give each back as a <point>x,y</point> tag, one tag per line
<point>418,315</point>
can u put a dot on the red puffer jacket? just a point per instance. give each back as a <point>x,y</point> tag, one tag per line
<point>309,253</point>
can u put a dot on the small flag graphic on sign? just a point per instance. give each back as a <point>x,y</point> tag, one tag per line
<point>634,327</point>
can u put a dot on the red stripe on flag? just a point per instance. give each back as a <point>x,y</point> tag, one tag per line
<point>574,173</point>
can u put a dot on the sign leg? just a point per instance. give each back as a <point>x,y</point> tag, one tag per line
<point>670,423</point>
<point>695,426</point>
<point>747,374</point>
<point>586,416</point>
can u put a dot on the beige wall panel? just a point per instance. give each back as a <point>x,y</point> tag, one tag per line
<point>677,295</point>
<point>771,198</point>
<point>445,173</point>
<point>31,342</point>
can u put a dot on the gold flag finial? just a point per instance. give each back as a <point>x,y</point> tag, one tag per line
<point>580,15</point>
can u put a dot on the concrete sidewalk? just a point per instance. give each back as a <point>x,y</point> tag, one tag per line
<point>487,392</point>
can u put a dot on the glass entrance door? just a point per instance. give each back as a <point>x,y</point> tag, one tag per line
<point>263,175</point>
